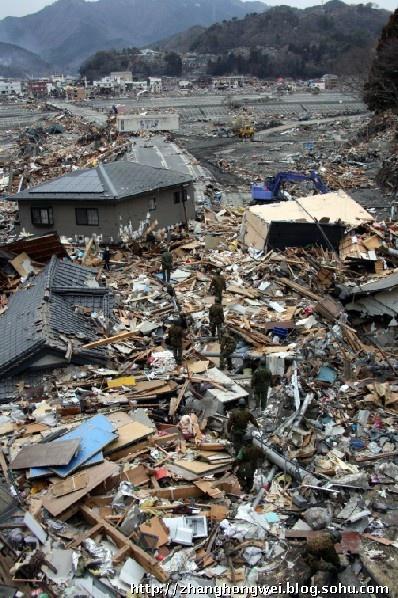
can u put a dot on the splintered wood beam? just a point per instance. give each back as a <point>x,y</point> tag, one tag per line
<point>123,336</point>
<point>125,546</point>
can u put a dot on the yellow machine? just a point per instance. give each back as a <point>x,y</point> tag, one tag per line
<point>246,132</point>
<point>243,128</point>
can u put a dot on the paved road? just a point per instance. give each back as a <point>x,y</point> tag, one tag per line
<point>88,113</point>
<point>13,117</point>
<point>218,100</point>
<point>163,154</point>
<point>295,124</point>
<point>211,107</point>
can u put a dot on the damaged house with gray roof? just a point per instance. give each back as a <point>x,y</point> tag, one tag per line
<point>49,321</point>
<point>109,202</point>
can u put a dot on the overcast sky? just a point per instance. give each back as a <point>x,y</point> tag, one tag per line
<point>23,7</point>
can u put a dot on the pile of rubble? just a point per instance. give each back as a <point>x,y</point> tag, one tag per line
<point>121,472</point>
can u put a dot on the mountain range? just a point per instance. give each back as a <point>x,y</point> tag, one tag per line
<point>18,62</point>
<point>68,31</point>
<point>285,41</point>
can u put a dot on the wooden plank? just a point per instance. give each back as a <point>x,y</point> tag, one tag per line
<point>218,512</point>
<point>149,563</point>
<point>197,467</point>
<point>22,264</point>
<point>45,455</point>
<point>3,466</point>
<point>249,293</point>
<point>156,527</point>
<point>127,435</point>
<point>197,367</point>
<point>136,475</point>
<point>298,288</point>
<point>72,484</point>
<point>95,476</point>
<point>119,382</point>
<point>174,405</point>
<point>153,387</point>
<point>379,539</point>
<point>110,340</point>
<point>208,488</point>
<point>329,308</point>
<point>94,434</point>
<point>177,492</point>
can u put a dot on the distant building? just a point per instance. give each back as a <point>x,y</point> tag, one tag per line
<point>10,88</point>
<point>133,123</point>
<point>228,82</point>
<point>185,84</point>
<point>75,94</point>
<point>38,88</point>
<point>140,85</point>
<point>330,81</point>
<point>317,84</point>
<point>155,84</point>
<point>106,201</point>
<point>204,82</point>
<point>120,76</point>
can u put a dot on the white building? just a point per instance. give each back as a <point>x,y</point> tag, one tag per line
<point>105,83</point>
<point>140,85</point>
<point>319,84</point>
<point>185,84</point>
<point>134,123</point>
<point>10,88</point>
<point>122,76</point>
<point>155,84</point>
<point>229,82</point>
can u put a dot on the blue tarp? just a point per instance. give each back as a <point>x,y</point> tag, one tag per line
<point>94,434</point>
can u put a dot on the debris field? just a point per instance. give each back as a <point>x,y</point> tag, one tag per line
<point>122,472</point>
<point>122,458</point>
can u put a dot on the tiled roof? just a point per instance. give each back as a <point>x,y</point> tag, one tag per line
<point>44,310</point>
<point>114,181</point>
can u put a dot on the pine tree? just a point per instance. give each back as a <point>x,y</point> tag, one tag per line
<point>381,88</point>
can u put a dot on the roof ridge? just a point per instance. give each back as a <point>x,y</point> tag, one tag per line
<point>108,181</point>
<point>52,267</point>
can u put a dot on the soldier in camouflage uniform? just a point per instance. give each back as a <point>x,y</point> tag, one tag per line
<point>167,264</point>
<point>217,285</point>
<point>216,317</point>
<point>227,347</point>
<point>175,338</point>
<point>237,424</point>
<point>260,383</point>
<point>249,458</point>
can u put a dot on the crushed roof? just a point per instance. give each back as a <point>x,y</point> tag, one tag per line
<point>39,314</point>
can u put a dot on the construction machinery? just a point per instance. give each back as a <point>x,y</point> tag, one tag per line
<point>272,189</point>
<point>243,128</point>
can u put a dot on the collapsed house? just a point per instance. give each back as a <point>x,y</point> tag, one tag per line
<point>17,257</point>
<point>50,319</point>
<point>107,200</point>
<point>313,220</point>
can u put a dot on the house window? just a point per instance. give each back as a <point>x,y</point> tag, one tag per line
<point>42,216</point>
<point>177,196</point>
<point>152,204</point>
<point>122,124</point>
<point>87,216</point>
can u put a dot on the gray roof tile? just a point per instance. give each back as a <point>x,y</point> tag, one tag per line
<point>109,182</point>
<point>45,309</point>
